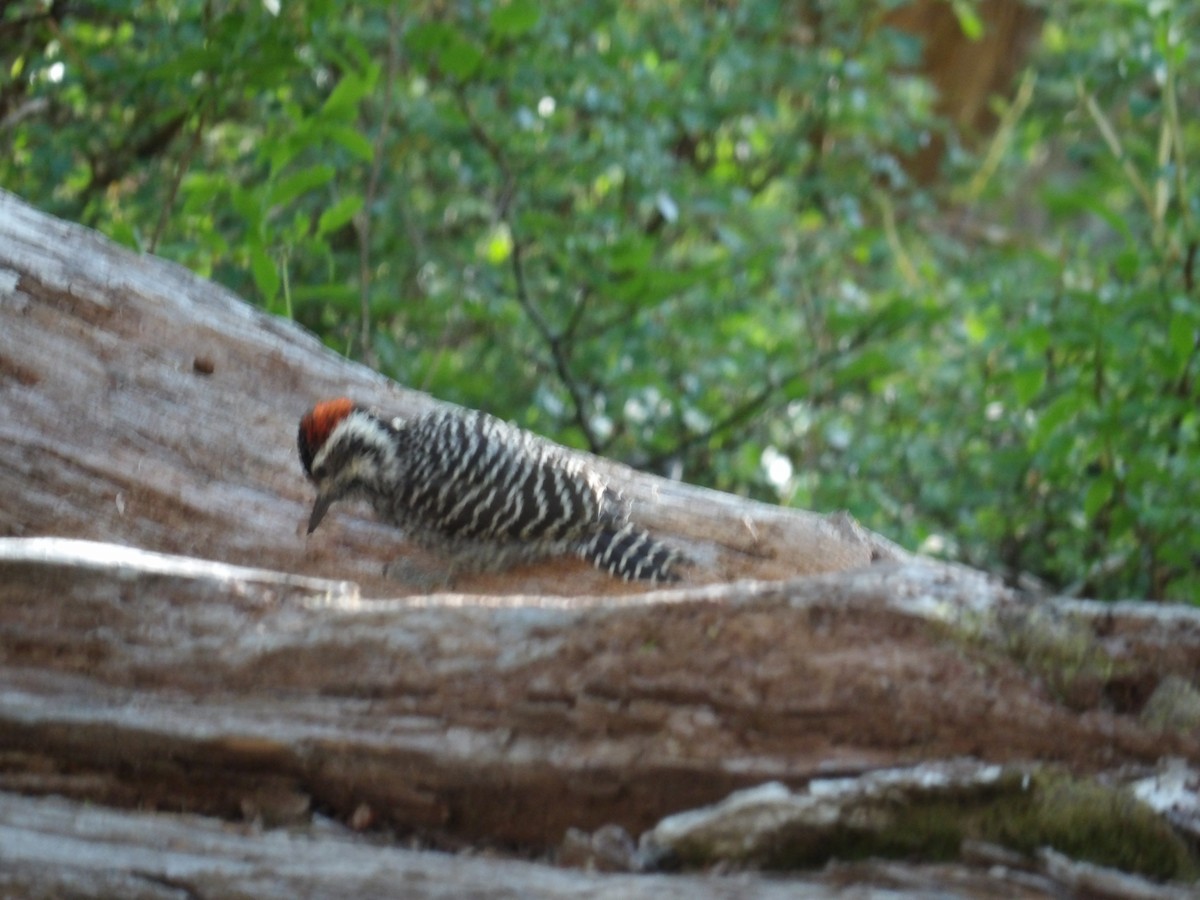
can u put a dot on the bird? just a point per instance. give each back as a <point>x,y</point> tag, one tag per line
<point>478,491</point>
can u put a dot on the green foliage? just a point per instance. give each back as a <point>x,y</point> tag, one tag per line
<point>682,235</point>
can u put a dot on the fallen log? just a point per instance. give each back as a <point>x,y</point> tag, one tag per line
<point>170,640</point>
<point>54,847</point>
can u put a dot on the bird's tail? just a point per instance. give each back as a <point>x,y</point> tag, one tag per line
<point>629,552</point>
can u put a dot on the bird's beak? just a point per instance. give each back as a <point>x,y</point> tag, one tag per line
<point>320,507</point>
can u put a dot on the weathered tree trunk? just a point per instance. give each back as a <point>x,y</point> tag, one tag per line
<point>967,71</point>
<point>143,409</point>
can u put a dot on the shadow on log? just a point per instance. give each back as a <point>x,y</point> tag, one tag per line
<point>148,462</point>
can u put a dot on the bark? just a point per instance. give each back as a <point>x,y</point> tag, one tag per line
<point>968,73</point>
<point>170,641</point>
<point>56,848</point>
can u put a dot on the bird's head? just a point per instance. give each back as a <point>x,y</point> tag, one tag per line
<point>341,447</point>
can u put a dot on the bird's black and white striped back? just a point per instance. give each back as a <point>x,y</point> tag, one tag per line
<point>471,475</point>
<point>470,484</point>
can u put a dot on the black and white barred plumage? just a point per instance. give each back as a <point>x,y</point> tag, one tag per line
<point>476,488</point>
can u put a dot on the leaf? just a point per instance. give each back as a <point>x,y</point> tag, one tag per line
<point>441,45</point>
<point>248,205</point>
<point>266,276</point>
<point>292,186</point>
<point>337,295</point>
<point>1060,411</point>
<point>339,214</point>
<point>975,327</point>
<point>1037,339</point>
<point>968,19</point>
<point>298,135</point>
<point>630,253</point>
<point>201,189</point>
<point>868,364</point>
<point>427,37</point>
<point>1183,339</point>
<point>1069,203</point>
<point>1028,383</point>
<point>351,139</point>
<point>499,244</point>
<point>1098,493</point>
<point>1127,263</point>
<point>514,18</point>
<point>460,58</point>
<point>343,100</point>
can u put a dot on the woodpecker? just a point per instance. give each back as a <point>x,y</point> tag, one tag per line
<point>480,491</point>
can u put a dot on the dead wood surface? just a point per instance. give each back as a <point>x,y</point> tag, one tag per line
<point>58,848</point>
<point>967,71</point>
<point>144,411</point>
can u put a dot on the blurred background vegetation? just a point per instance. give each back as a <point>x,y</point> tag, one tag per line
<point>933,262</point>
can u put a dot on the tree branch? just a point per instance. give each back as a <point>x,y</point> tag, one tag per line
<point>554,341</point>
<point>185,162</point>
<point>760,402</point>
